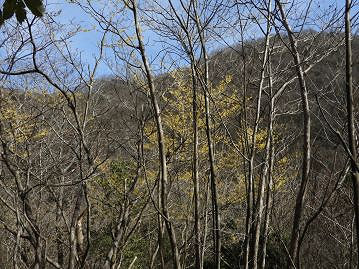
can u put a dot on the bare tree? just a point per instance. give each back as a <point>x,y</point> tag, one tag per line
<point>352,136</point>
<point>160,135</point>
<point>306,140</point>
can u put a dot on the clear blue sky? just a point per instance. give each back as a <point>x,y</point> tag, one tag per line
<point>86,42</point>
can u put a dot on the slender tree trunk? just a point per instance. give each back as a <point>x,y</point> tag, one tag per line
<point>213,174</point>
<point>73,255</point>
<point>190,53</point>
<point>269,182</point>
<point>205,229</point>
<point>298,211</point>
<point>59,234</point>
<point>352,238</point>
<point>245,144</point>
<point>195,171</point>
<point>160,230</point>
<point>268,211</point>
<point>258,210</point>
<point>213,183</point>
<point>153,257</point>
<point>350,120</point>
<point>40,254</point>
<point>119,234</point>
<point>160,139</point>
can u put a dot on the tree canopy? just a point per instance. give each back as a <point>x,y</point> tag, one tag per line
<point>19,9</point>
<point>225,136</point>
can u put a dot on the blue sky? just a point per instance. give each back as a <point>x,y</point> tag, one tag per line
<point>86,41</point>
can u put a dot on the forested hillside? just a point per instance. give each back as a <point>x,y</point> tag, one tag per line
<point>224,135</point>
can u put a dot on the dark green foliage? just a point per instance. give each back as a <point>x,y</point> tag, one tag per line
<point>36,7</point>
<point>9,8</point>
<point>232,255</point>
<point>17,7</point>
<point>136,248</point>
<point>20,12</point>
